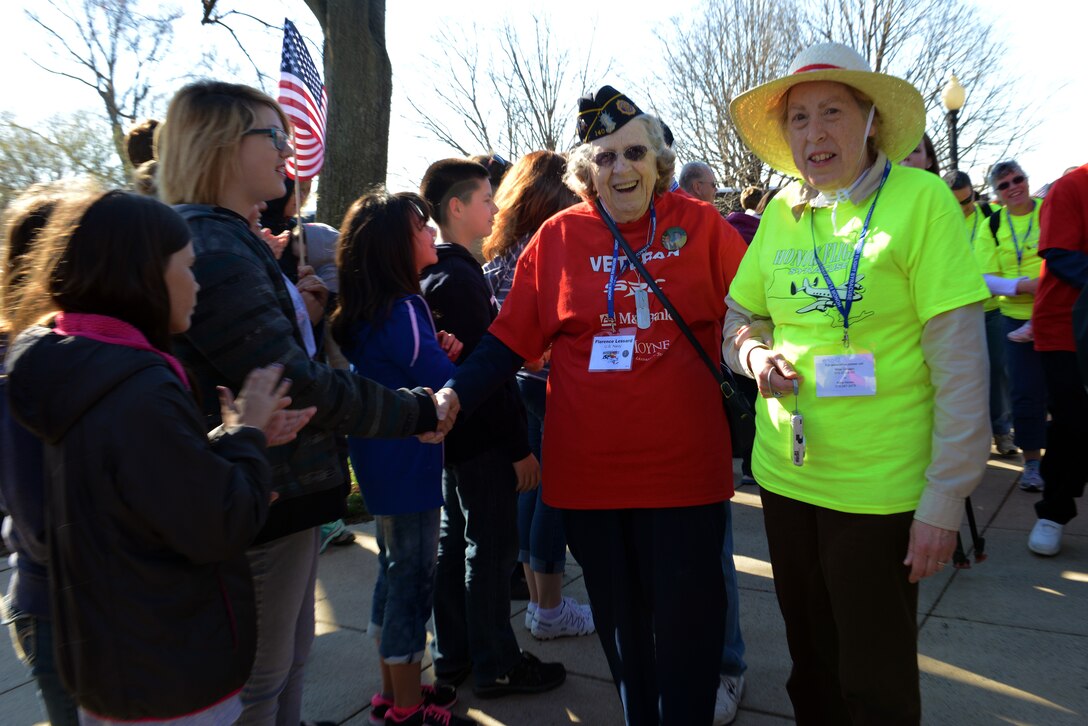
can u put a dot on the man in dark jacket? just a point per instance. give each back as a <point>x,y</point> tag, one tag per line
<point>488,461</point>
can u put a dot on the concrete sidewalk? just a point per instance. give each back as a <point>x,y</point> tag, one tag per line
<point>1003,642</point>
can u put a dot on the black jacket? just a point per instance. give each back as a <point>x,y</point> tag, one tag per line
<point>147,521</point>
<point>244,319</point>
<point>462,303</point>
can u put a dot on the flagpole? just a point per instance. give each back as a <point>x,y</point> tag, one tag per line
<point>298,216</point>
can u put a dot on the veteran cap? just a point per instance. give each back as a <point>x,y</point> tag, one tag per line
<point>603,113</point>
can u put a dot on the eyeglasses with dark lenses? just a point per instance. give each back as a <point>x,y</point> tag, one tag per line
<point>964,202</point>
<point>1018,179</point>
<point>631,153</point>
<point>279,136</point>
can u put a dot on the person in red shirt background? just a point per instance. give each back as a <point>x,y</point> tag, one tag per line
<point>1063,245</point>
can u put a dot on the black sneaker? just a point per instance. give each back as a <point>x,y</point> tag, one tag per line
<point>530,675</point>
<point>452,679</point>
<point>430,716</point>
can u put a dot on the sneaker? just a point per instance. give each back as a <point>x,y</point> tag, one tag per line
<point>1030,479</point>
<point>329,532</point>
<point>1005,445</point>
<point>530,675</point>
<point>1045,538</point>
<point>532,607</point>
<point>429,716</point>
<point>572,620</point>
<point>441,695</point>
<point>452,679</point>
<point>730,691</point>
<point>747,480</point>
<point>530,613</point>
<point>1023,334</point>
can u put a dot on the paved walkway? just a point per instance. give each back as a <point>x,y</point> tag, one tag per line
<point>1005,642</point>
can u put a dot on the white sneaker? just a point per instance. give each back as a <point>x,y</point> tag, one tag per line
<point>573,619</point>
<point>730,691</point>
<point>530,613</point>
<point>1045,538</point>
<point>532,607</point>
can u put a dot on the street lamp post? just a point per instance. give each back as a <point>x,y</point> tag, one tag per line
<point>953,97</point>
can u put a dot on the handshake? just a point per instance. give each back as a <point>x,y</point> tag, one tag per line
<point>446,406</point>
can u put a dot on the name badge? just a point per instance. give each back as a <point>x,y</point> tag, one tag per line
<point>612,352</point>
<point>851,374</point>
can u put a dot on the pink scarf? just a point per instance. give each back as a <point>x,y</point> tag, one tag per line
<point>105,329</point>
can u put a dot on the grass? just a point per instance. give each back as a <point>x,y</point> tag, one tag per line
<point>357,511</point>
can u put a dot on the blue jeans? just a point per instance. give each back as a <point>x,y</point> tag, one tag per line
<point>1000,406</point>
<point>655,584</point>
<point>541,540</point>
<point>477,549</point>
<point>1028,386</point>
<point>404,590</point>
<point>733,649</point>
<point>32,639</point>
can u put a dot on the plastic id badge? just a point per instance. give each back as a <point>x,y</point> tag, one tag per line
<point>848,374</point>
<point>612,352</point>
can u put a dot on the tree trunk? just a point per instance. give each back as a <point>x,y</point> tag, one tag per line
<point>359,81</point>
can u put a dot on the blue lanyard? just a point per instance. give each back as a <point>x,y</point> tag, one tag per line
<point>1016,241</point>
<point>974,227</point>
<point>851,281</point>
<point>616,262</point>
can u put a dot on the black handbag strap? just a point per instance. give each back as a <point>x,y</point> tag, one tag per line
<point>728,388</point>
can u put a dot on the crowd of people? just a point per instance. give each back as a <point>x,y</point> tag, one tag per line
<point>191,379</point>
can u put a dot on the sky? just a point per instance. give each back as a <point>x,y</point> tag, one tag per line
<point>1044,41</point>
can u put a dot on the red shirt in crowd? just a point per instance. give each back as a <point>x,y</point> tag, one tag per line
<point>653,436</point>
<point>1064,225</point>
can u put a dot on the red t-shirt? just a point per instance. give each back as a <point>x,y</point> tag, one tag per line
<point>1063,225</point>
<point>654,436</point>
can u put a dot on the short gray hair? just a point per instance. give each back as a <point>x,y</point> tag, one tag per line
<point>690,173</point>
<point>579,176</point>
<point>1003,168</point>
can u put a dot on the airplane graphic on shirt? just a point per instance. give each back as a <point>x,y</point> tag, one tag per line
<point>822,296</point>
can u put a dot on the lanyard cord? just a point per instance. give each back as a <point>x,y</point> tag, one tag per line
<point>616,262</point>
<point>851,281</point>
<point>1016,241</point>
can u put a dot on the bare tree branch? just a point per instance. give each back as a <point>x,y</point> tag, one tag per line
<point>112,48</point>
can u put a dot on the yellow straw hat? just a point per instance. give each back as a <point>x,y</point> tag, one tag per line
<point>900,105</point>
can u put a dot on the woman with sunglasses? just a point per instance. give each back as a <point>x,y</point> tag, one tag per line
<point>1017,249</point>
<point>222,151</point>
<point>637,445</point>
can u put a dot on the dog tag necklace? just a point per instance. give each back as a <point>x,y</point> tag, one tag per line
<point>642,298</point>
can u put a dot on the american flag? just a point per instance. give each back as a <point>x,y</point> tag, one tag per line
<point>303,97</point>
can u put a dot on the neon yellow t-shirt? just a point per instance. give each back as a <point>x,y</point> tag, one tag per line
<point>1030,263</point>
<point>864,454</point>
<point>982,244</point>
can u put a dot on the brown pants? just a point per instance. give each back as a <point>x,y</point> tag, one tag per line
<point>851,614</point>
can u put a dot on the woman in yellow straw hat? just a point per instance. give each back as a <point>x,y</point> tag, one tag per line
<point>858,311</point>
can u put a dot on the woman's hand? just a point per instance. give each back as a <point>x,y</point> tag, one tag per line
<point>773,373</point>
<point>262,394</point>
<point>528,474</point>
<point>276,242</point>
<point>450,344</point>
<point>929,550</point>
<point>286,423</point>
<point>314,293</point>
<point>538,364</point>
